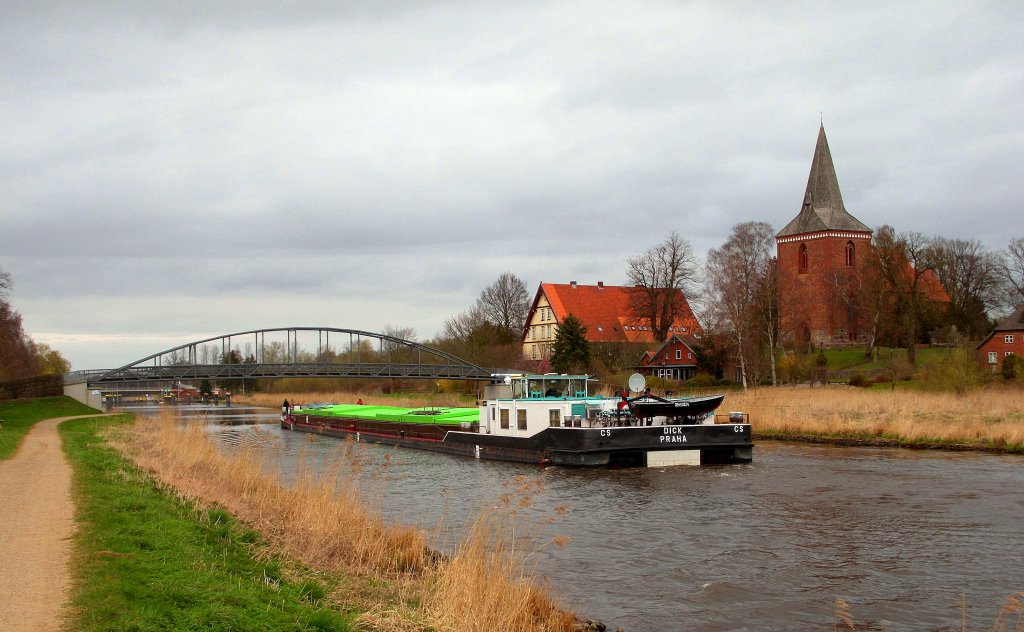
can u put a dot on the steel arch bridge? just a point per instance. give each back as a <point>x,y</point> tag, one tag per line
<point>248,355</point>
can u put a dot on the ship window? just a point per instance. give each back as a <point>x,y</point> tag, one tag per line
<point>521,419</point>
<point>849,254</point>
<point>504,419</point>
<point>554,417</point>
<point>802,259</point>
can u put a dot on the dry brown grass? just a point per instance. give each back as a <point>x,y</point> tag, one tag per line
<point>501,595</point>
<point>407,400</point>
<point>982,418</point>
<point>324,522</point>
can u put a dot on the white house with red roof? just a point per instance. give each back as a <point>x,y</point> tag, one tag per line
<point>605,310</point>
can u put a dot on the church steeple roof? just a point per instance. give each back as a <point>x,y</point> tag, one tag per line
<point>822,208</point>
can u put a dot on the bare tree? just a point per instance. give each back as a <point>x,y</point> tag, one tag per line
<point>461,326</point>
<point>971,275</point>
<point>661,278</point>
<point>505,303</point>
<point>392,348</point>
<point>1013,269</point>
<point>742,293</point>
<point>5,284</point>
<point>899,269</point>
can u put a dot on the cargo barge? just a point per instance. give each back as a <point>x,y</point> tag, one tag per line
<point>547,420</point>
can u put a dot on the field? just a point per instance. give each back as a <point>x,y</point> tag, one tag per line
<point>983,418</point>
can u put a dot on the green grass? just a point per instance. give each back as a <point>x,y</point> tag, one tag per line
<point>20,415</point>
<point>147,560</point>
<point>839,359</point>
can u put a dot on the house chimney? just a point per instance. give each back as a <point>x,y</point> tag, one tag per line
<point>572,284</point>
<point>600,285</point>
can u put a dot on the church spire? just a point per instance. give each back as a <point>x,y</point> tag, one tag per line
<point>822,207</point>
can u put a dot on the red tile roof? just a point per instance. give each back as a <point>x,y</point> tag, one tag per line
<point>606,312</point>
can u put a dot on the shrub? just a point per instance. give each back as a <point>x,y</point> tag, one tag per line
<point>858,380</point>
<point>702,380</point>
<point>957,372</point>
<point>1010,367</point>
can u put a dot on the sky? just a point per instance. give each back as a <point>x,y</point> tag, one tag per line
<point>172,171</point>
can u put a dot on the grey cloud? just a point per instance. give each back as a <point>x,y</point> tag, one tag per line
<point>200,167</point>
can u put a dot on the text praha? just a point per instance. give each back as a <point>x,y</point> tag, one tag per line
<point>672,434</point>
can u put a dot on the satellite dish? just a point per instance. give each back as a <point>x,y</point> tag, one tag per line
<point>637,383</point>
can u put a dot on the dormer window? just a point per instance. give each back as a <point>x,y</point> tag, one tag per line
<point>802,259</point>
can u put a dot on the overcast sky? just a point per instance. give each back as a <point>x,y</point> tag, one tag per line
<point>173,173</point>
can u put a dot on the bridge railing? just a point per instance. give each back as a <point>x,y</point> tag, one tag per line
<point>77,377</point>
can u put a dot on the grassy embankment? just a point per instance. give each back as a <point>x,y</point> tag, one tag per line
<point>20,415</point>
<point>323,521</point>
<point>990,419</point>
<point>147,559</point>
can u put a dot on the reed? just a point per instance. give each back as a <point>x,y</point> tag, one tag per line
<point>324,521</point>
<point>406,400</point>
<point>487,584</point>
<point>990,419</point>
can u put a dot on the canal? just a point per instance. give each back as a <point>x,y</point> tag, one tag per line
<point>900,535</point>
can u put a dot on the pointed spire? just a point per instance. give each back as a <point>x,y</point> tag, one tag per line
<point>822,207</point>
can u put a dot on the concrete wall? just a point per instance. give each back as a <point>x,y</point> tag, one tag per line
<point>82,393</point>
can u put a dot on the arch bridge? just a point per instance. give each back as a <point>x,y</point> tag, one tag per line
<point>282,353</point>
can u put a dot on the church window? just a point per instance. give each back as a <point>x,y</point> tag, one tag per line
<point>802,259</point>
<point>849,254</point>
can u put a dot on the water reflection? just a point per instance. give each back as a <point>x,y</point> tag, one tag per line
<point>769,545</point>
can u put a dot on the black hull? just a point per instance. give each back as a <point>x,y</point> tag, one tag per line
<point>581,447</point>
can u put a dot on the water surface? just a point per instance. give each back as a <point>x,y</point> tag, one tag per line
<point>899,534</point>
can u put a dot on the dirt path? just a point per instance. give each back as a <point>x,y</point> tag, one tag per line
<point>36,524</point>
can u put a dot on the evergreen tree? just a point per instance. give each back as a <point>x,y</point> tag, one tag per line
<point>571,351</point>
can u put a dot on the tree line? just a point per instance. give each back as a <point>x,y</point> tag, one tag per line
<point>20,356</point>
<point>890,292</point>
<point>735,294</point>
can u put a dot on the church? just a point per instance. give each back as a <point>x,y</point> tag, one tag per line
<point>817,254</point>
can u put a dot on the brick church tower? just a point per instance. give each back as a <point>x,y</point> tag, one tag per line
<point>817,261</point>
